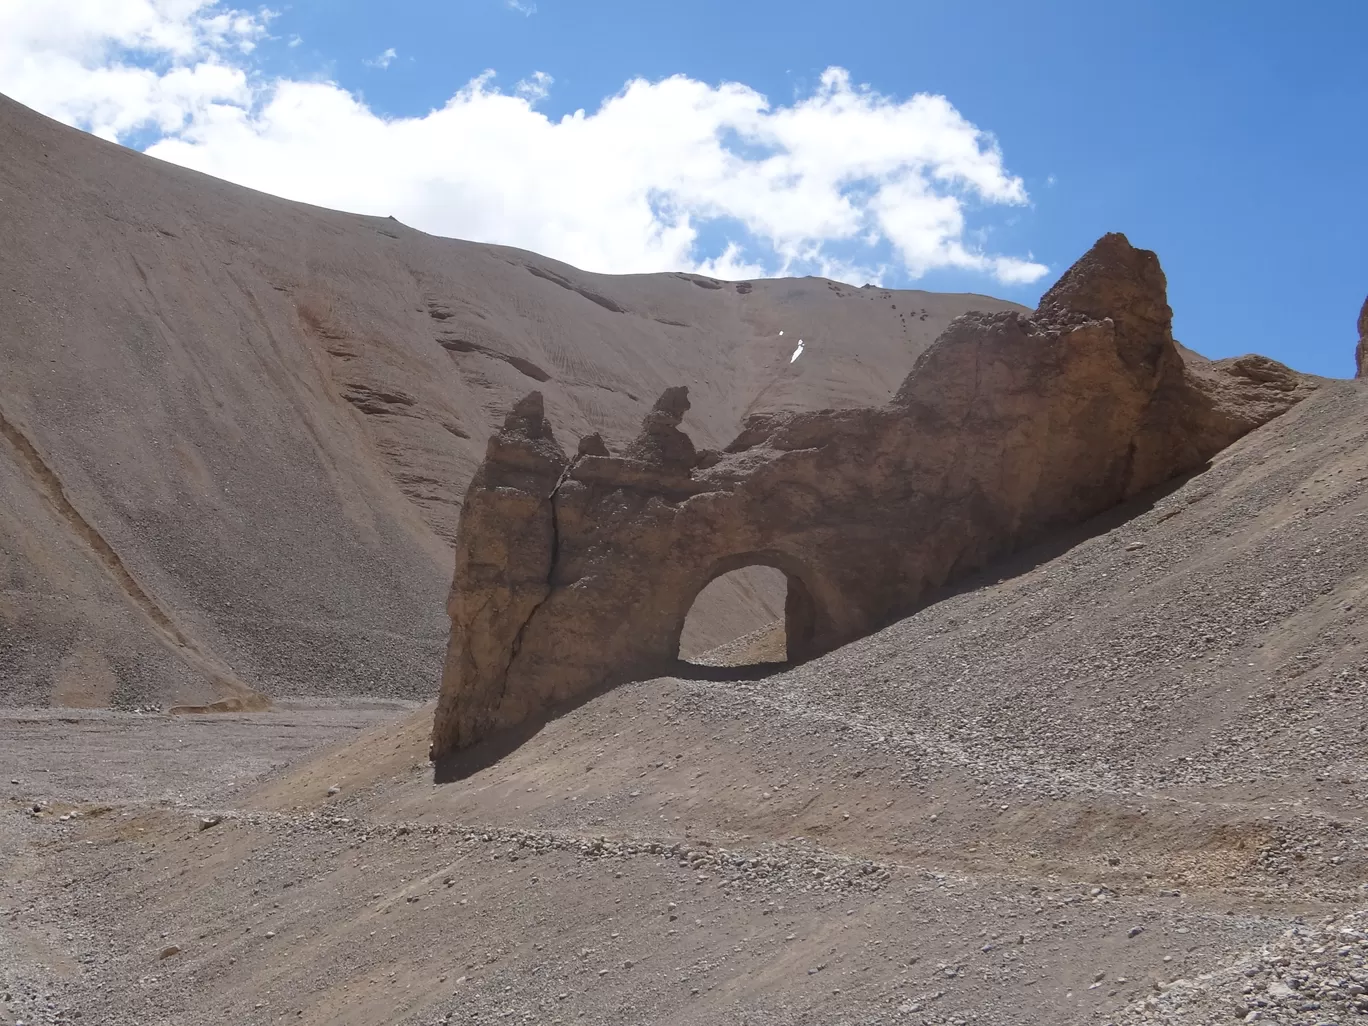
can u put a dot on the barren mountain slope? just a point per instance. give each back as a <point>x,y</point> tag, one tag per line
<point>235,431</point>
<point>1134,757</point>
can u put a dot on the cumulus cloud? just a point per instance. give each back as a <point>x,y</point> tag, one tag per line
<point>115,66</point>
<point>670,174</point>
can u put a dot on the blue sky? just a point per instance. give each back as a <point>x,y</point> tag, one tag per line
<point>1228,136</point>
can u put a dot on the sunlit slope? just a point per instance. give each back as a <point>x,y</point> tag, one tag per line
<point>261,416</point>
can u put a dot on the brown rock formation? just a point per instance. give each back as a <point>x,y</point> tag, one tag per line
<point>1361,350</point>
<point>571,575</point>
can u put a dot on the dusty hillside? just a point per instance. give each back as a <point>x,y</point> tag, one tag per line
<point>576,572</point>
<point>1064,794</point>
<point>236,430</point>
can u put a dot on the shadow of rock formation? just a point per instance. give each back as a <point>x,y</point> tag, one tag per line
<point>573,574</point>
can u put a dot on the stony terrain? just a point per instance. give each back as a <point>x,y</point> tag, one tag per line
<point>1116,779</point>
<point>1119,779</point>
<point>577,572</point>
<point>1313,973</point>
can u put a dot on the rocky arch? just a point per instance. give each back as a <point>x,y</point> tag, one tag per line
<point>573,573</point>
<point>806,619</point>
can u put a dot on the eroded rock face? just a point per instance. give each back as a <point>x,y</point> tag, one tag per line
<point>1361,350</point>
<point>575,574</point>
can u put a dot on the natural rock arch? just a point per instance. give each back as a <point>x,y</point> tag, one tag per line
<point>576,573</point>
<point>805,618</point>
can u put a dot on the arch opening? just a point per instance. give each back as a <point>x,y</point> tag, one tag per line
<point>749,612</point>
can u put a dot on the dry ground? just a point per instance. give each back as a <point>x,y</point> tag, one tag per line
<point>1065,793</point>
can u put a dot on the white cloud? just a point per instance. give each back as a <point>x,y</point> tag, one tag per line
<point>522,7</point>
<point>671,174</point>
<point>383,61</point>
<point>112,66</point>
<point>536,88</point>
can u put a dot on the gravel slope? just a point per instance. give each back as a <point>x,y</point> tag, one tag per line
<point>1119,781</point>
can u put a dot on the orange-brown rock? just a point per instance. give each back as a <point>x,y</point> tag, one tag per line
<point>572,574</point>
